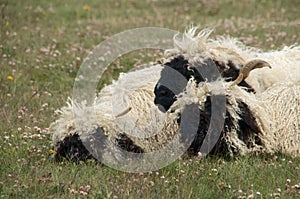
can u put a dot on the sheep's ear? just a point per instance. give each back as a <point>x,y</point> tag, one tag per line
<point>248,67</point>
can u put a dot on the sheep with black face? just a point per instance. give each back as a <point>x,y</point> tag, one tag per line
<point>200,60</point>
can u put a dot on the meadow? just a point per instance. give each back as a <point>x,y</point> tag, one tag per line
<point>42,45</point>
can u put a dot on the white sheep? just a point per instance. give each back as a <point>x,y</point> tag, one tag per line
<point>262,95</point>
<point>132,89</point>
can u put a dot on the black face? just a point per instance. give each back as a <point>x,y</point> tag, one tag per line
<point>173,80</point>
<point>163,97</point>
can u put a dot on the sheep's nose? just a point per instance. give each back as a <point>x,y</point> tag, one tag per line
<point>161,108</point>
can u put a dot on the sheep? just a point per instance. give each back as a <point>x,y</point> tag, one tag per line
<point>77,120</point>
<point>195,55</point>
<point>250,121</point>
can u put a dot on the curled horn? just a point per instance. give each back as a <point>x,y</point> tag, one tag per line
<point>247,68</point>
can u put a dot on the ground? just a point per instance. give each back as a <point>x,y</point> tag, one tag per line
<point>43,43</point>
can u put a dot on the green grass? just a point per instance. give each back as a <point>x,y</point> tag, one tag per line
<point>42,44</point>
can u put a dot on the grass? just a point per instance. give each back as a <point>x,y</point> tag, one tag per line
<point>42,44</point>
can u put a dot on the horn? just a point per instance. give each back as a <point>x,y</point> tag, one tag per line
<point>247,68</point>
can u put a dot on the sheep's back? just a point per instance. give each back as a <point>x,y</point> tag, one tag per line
<point>282,104</point>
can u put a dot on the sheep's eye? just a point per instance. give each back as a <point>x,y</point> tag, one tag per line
<point>163,93</point>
